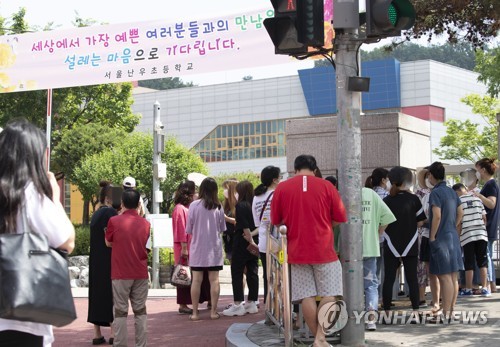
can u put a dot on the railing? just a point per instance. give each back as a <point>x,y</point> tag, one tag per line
<point>278,303</point>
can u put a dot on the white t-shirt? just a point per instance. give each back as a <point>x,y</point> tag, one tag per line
<point>46,218</point>
<point>257,204</point>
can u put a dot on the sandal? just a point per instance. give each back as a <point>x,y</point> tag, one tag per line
<point>436,311</point>
<point>193,318</point>
<point>185,310</point>
<point>217,316</point>
<point>99,341</point>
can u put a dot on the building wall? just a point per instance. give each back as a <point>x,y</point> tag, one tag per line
<point>76,205</point>
<point>191,113</point>
<point>386,141</point>
<point>427,82</point>
<point>424,89</point>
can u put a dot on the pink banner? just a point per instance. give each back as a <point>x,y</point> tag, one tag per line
<point>136,51</point>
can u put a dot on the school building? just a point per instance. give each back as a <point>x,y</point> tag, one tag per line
<point>242,126</point>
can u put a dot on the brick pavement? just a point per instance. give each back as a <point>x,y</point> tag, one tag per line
<point>165,326</point>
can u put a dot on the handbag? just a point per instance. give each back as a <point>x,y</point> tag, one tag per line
<point>181,274</point>
<point>253,249</point>
<point>34,280</point>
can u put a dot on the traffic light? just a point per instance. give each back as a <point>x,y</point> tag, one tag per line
<point>385,18</point>
<point>296,25</point>
<point>282,28</point>
<point>310,26</point>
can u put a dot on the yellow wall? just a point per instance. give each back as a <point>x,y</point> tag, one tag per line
<point>76,202</point>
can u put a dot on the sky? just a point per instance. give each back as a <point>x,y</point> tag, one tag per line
<point>62,13</point>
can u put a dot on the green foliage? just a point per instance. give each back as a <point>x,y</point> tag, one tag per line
<point>467,141</point>
<point>475,21</point>
<point>82,141</point>
<point>460,55</point>
<point>132,156</point>
<point>488,67</point>
<point>82,240</point>
<point>181,161</point>
<point>165,83</point>
<point>253,177</point>
<point>166,256</point>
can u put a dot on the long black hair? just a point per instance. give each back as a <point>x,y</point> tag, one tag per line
<point>267,175</point>
<point>375,179</point>
<point>399,176</point>
<point>245,192</point>
<point>22,160</point>
<point>208,194</point>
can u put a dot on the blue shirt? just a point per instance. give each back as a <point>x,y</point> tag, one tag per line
<point>448,201</point>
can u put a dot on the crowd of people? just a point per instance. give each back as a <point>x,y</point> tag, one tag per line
<point>427,235</point>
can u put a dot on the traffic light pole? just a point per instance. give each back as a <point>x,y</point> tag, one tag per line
<point>349,165</point>
<point>156,188</point>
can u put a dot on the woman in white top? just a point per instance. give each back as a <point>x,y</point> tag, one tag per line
<point>25,183</point>
<point>261,210</point>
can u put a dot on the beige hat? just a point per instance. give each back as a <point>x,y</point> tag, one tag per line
<point>421,177</point>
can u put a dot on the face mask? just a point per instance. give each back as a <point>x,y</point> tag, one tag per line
<point>226,195</point>
<point>428,184</point>
<point>478,175</point>
<point>409,187</point>
<point>388,185</point>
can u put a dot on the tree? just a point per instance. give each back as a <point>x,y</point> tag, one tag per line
<point>133,157</point>
<point>468,141</point>
<point>475,21</point>
<point>18,24</point>
<point>461,54</point>
<point>107,104</point>
<point>181,161</point>
<point>488,67</point>
<point>253,177</point>
<point>165,83</point>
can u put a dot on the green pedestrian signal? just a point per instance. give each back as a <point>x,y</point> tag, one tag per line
<point>386,18</point>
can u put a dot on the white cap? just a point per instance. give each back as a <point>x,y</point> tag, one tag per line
<point>129,182</point>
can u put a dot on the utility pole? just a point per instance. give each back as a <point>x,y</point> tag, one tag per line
<point>349,164</point>
<point>158,148</point>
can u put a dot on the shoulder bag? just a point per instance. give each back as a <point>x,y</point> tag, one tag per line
<point>34,280</point>
<point>252,248</point>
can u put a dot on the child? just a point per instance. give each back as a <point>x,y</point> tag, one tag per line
<point>473,239</point>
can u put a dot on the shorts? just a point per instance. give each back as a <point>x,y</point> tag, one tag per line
<point>310,280</point>
<point>425,250</point>
<point>475,251</point>
<point>209,268</point>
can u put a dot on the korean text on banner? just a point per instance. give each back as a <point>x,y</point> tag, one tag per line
<point>136,51</point>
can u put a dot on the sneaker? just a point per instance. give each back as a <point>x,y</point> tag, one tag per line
<point>371,325</point>
<point>235,310</point>
<point>485,292</point>
<point>422,304</point>
<point>251,307</point>
<point>465,292</point>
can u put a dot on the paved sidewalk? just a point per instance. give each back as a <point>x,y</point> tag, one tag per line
<point>167,328</point>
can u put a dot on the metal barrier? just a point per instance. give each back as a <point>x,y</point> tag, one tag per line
<point>278,303</point>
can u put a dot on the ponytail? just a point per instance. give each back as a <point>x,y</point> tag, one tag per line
<point>368,182</point>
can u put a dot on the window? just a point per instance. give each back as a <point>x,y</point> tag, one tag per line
<point>241,141</point>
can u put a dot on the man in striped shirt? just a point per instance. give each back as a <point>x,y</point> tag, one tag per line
<point>473,238</point>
